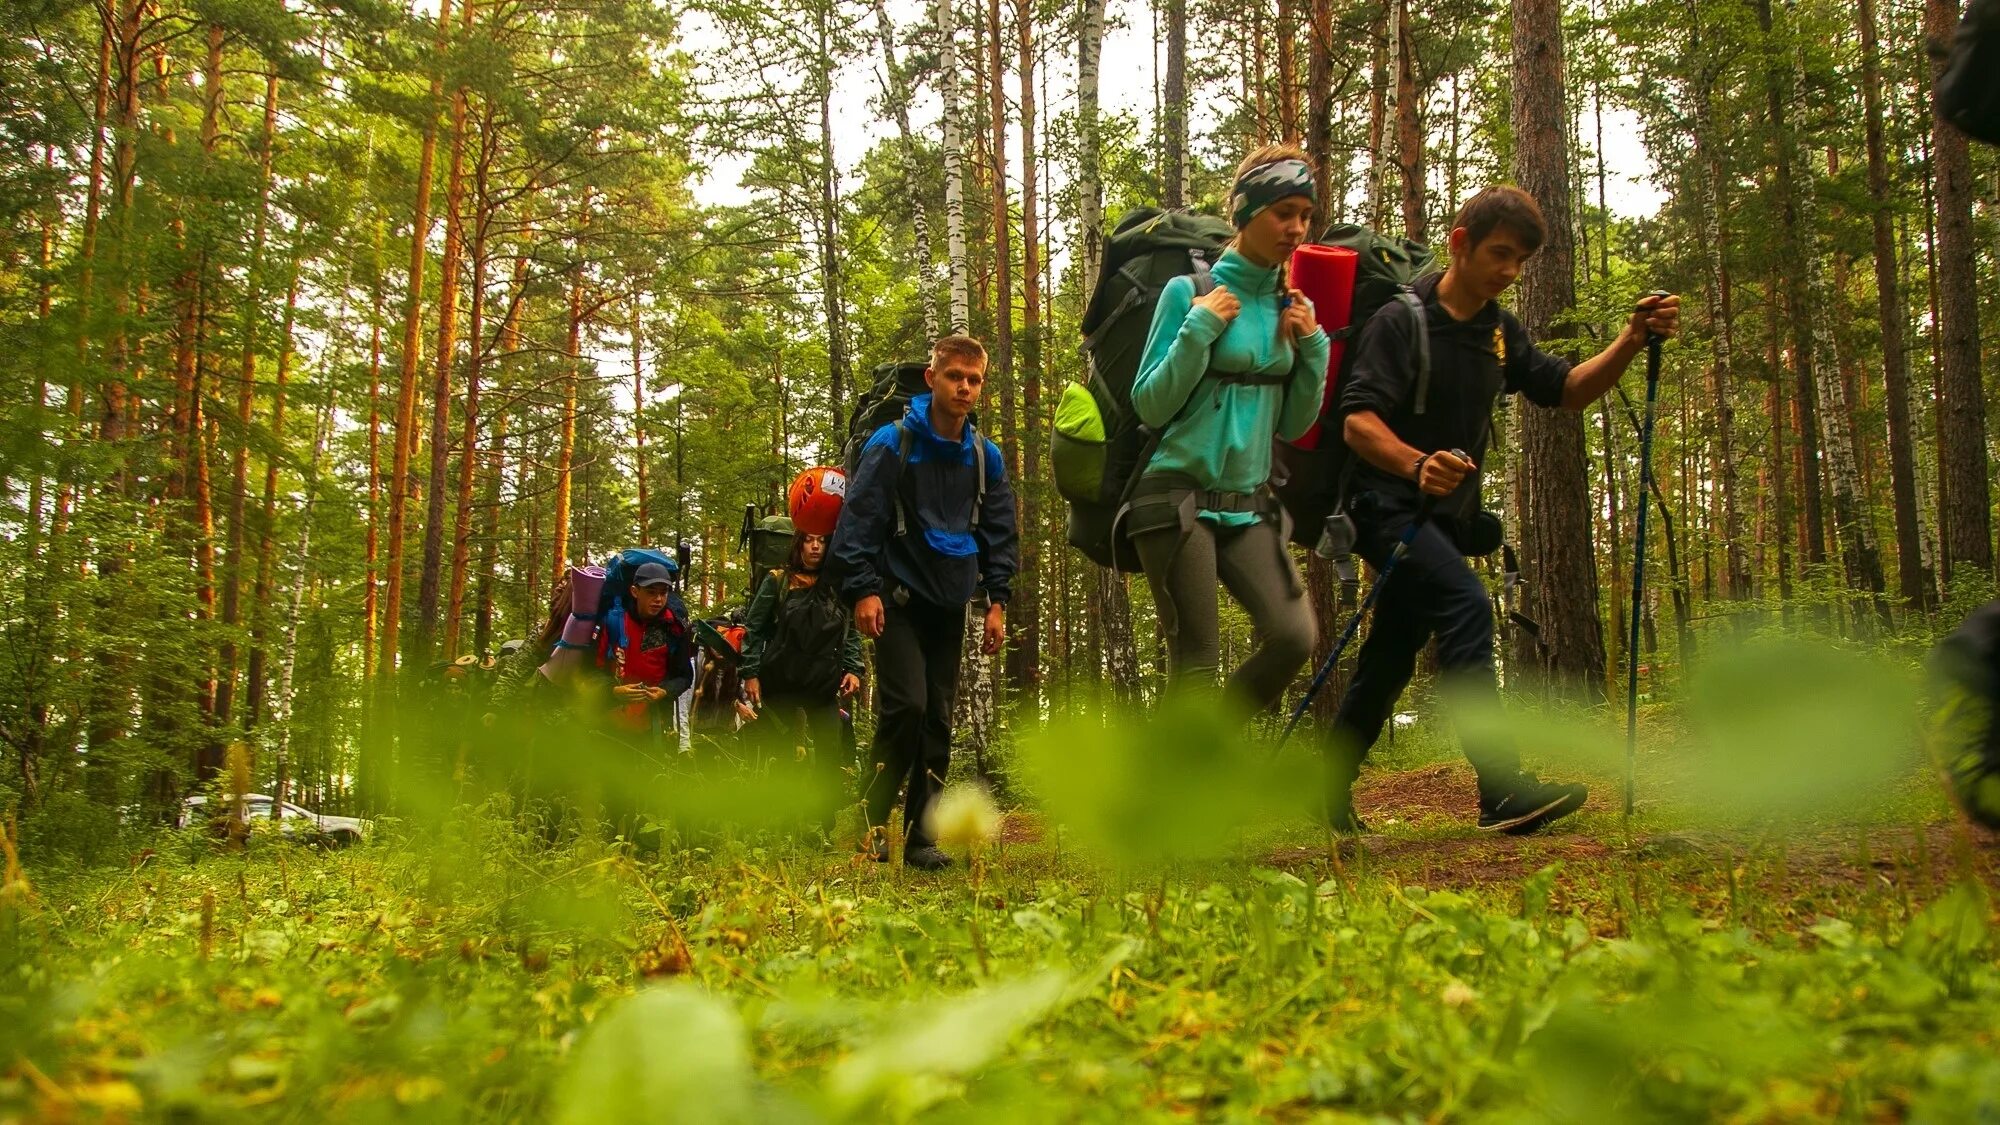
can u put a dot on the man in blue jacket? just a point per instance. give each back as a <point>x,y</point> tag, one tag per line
<point>928,523</point>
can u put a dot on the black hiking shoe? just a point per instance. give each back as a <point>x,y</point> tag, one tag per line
<point>1529,804</point>
<point>926,857</point>
<point>1351,825</point>
<point>877,847</point>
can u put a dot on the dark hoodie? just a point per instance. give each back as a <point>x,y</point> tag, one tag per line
<point>1473,363</point>
<point>940,557</point>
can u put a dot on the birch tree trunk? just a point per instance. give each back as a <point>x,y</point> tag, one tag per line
<point>896,87</point>
<point>954,173</point>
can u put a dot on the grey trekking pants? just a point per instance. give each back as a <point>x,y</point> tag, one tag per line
<point>1184,568</point>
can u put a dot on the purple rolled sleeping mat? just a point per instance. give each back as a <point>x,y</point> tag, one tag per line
<point>586,584</point>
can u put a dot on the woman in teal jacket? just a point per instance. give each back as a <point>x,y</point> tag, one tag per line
<point>1225,370</point>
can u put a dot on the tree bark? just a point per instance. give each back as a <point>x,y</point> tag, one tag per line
<point>475,356</point>
<point>1797,251</point>
<point>1557,532</point>
<point>1965,504</point>
<point>1288,71</point>
<point>1914,580</point>
<point>1026,611</point>
<point>430,577</point>
<point>829,232</point>
<point>565,458</point>
<point>412,357</point>
<point>954,174</point>
<point>1409,128</point>
<point>1319,101</point>
<point>1174,109</point>
<point>1736,585</point>
<point>1861,559</point>
<point>896,86</point>
<point>260,613</point>
<point>239,471</point>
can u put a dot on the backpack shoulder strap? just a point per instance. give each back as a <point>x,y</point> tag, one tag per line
<point>905,441</point>
<point>1408,296</point>
<point>1203,276</point>
<point>979,473</point>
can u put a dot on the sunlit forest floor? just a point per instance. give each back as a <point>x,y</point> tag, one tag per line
<point>475,971</point>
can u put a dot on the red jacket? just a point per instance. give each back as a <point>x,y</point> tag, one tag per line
<point>631,664</point>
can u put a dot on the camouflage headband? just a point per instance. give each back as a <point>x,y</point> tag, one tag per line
<point>1266,184</point>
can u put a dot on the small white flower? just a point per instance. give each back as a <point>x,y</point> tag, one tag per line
<point>965,817</point>
<point>1458,994</point>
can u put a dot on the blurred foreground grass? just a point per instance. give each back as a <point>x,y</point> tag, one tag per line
<point>1792,929</point>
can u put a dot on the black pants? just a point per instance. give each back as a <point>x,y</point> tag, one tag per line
<point>812,722</point>
<point>916,670</point>
<point>1432,593</point>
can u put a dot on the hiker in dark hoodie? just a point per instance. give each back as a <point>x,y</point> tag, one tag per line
<point>801,658</point>
<point>929,521</point>
<point>1405,426</point>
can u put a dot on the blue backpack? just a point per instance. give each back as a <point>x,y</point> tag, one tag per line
<point>618,570</point>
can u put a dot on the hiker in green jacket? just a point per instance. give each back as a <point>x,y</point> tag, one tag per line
<point>801,659</point>
<point>1224,372</point>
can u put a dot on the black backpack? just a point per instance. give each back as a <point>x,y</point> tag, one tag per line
<point>1968,90</point>
<point>1310,477</point>
<point>808,629</point>
<point>891,387</point>
<point>1098,447</point>
<point>883,404</point>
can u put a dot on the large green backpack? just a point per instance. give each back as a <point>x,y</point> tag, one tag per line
<point>1310,477</point>
<point>1099,447</point>
<point>769,540</point>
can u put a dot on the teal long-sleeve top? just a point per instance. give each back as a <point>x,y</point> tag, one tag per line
<point>1219,433</point>
<point>762,621</point>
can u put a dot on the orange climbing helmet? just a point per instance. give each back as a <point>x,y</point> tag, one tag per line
<point>815,500</point>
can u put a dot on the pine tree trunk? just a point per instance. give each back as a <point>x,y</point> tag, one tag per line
<point>370,579</point>
<point>1026,610</point>
<point>483,593</point>
<point>289,661</point>
<point>1557,532</point>
<point>239,471</point>
<point>1382,41</point>
<point>475,356</point>
<point>1797,251</point>
<point>1722,328</point>
<point>829,232</point>
<point>260,610</point>
<point>1409,128</point>
<point>412,357</point>
<point>954,173</point>
<point>1914,580</point>
<point>1288,72</point>
<point>1319,101</point>
<point>565,458</point>
<point>639,422</point>
<point>897,88</point>
<point>1861,559</point>
<point>1174,108</point>
<point>1965,504</point>
<point>430,578</point>
<point>1113,607</point>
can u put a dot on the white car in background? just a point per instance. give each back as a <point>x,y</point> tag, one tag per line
<point>295,822</point>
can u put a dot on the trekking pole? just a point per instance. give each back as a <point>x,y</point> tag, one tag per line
<point>1653,342</point>
<point>1354,623</point>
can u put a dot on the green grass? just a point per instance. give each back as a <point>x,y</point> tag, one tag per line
<point>472,973</point>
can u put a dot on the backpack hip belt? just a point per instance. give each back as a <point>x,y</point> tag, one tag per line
<point>1261,502</point>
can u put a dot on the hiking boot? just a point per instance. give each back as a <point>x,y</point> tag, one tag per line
<point>1528,804</point>
<point>877,847</point>
<point>1350,824</point>
<point>926,857</point>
